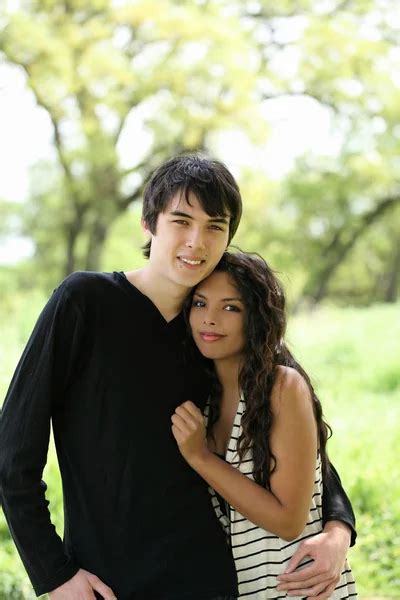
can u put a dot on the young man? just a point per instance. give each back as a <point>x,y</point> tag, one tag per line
<point>106,366</point>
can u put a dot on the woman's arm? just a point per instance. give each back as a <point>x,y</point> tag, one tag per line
<point>283,510</point>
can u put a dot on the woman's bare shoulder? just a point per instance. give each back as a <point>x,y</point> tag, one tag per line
<point>291,388</point>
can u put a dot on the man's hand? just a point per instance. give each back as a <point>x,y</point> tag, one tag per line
<point>190,432</point>
<point>328,551</point>
<point>80,587</point>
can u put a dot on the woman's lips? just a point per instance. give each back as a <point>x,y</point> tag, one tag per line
<point>207,336</point>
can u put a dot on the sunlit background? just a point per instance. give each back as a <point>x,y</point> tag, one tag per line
<point>301,100</point>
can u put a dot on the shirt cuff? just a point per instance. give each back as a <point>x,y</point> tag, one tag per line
<point>63,575</point>
<point>347,521</point>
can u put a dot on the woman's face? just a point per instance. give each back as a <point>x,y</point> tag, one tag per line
<point>217,317</point>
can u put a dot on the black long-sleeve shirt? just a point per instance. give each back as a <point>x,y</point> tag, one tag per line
<point>108,371</point>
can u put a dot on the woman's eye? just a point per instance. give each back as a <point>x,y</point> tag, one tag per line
<point>198,303</point>
<point>232,308</point>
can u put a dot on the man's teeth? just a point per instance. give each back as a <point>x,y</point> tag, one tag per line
<point>191,262</point>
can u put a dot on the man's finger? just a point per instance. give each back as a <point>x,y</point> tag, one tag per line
<point>302,574</point>
<point>295,584</point>
<point>326,594</point>
<point>102,588</point>
<point>296,559</point>
<point>311,591</point>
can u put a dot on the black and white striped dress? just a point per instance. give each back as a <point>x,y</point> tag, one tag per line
<point>260,555</point>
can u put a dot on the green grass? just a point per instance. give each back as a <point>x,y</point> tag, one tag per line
<point>353,358</point>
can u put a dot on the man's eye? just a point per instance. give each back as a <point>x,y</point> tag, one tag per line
<point>217,228</point>
<point>180,222</point>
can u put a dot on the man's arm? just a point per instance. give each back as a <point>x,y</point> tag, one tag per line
<point>327,550</point>
<point>336,505</point>
<point>37,390</point>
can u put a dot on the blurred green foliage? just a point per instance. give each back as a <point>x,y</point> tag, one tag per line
<point>352,356</point>
<point>127,84</point>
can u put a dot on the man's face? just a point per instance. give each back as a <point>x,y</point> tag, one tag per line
<point>188,243</point>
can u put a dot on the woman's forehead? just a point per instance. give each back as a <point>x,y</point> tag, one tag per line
<point>218,282</point>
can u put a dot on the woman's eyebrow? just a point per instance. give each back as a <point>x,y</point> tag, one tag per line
<point>236,299</point>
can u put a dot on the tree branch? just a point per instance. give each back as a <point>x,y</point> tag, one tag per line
<point>57,135</point>
<point>341,248</point>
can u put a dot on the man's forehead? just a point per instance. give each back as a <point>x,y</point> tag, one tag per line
<point>190,204</point>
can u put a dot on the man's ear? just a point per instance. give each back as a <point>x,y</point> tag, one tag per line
<point>146,229</point>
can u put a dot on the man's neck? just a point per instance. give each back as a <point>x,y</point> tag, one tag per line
<point>164,294</point>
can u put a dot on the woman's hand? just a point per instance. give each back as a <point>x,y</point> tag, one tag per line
<point>190,432</point>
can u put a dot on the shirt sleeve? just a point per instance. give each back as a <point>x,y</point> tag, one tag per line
<point>336,505</point>
<point>36,390</point>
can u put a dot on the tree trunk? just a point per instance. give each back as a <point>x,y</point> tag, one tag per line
<point>394,277</point>
<point>97,237</point>
<point>72,236</point>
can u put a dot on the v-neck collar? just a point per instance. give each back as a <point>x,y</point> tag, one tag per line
<point>138,293</point>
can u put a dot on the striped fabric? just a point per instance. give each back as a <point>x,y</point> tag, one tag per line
<point>260,555</point>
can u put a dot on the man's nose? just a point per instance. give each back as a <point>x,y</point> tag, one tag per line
<point>195,239</point>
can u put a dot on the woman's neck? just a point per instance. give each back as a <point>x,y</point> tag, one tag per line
<point>227,370</point>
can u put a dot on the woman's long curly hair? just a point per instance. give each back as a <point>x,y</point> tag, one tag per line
<point>265,349</point>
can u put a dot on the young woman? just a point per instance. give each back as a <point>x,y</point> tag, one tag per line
<point>261,446</point>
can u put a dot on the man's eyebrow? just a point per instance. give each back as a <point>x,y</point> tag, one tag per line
<point>224,220</point>
<point>221,219</point>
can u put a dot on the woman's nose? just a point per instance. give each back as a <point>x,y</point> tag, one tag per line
<point>209,319</point>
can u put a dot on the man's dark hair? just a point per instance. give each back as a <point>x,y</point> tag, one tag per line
<point>207,178</point>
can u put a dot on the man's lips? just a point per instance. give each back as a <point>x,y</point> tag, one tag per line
<point>210,336</point>
<point>191,261</point>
